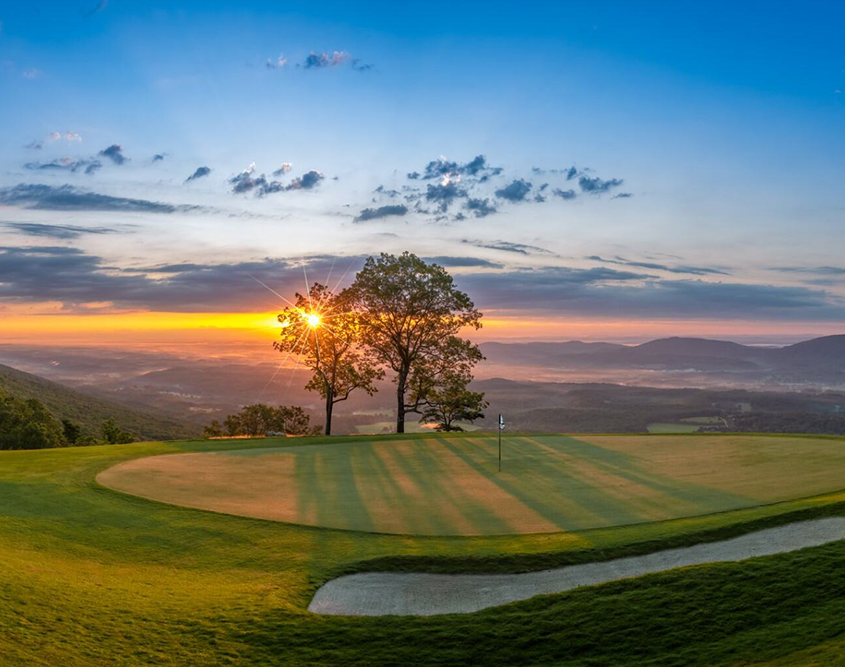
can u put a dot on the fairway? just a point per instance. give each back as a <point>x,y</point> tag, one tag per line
<point>451,486</point>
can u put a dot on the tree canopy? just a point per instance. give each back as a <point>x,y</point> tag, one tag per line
<point>410,314</point>
<point>324,331</point>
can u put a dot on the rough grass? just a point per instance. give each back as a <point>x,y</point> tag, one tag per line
<point>451,486</point>
<point>92,577</point>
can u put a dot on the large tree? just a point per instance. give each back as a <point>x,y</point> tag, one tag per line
<point>450,400</point>
<point>324,331</point>
<point>410,315</point>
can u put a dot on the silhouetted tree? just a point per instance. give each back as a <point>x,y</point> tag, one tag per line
<point>410,315</point>
<point>325,334</point>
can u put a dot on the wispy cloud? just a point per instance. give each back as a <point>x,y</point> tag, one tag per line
<point>56,231</point>
<point>507,246</point>
<point>70,198</point>
<point>691,270</point>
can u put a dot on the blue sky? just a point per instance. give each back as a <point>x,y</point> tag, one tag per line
<point>722,127</point>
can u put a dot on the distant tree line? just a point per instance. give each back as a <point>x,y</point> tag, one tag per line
<point>402,316</point>
<point>260,419</point>
<point>27,424</point>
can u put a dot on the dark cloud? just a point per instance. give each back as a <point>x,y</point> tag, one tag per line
<point>284,169</point>
<point>381,212</point>
<point>381,190</point>
<point>515,191</point>
<point>611,293</point>
<point>72,277</point>
<point>481,208</point>
<point>691,270</point>
<point>595,185</point>
<point>564,194</point>
<point>89,165</point>
<point>817,270</point>
<point>69,198</point>
<point>199,173</point>
<point>507,246</point>
<point>308,180</point>
<point>56,231</point>
<point>247,181</point>
<point>622,195</point>
<point>158,157</point>
<point>444,194</point>
<point>115,154</point>
<point>471,262</point>
<point>442,167</point>
<point>414,175</point>
<point>320,60</point>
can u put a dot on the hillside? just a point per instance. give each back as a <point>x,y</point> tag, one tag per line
<point>90,411</point>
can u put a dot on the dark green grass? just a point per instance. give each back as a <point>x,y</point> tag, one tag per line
<point>92,577</point>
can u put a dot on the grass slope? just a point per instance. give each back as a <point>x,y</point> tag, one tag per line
<point>93,577</point>
<point>88,411</point>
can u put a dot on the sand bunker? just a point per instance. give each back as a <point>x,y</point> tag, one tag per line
<point>409,594</point>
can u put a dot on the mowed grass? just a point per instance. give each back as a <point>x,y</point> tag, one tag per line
<point>452,486</point>
<point>92,577</point>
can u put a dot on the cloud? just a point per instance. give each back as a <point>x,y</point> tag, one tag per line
<point>817,270</point>
<point>276,63</point>
<point>595,185</point>
<point>444,194</point>
<point>56,231</point>
<point>246,181</point>
<point>90,165</point>
<point>308,180</point>
<point>507,246</point>
<point>609,293</point>
<point>158,157</point>
<point>284,169</point>
<point>691,270</point>
<point>360,66</point>
<point>381,212</point>
<point>481,208</point>
<point>515,191</point>
<point>199,173</point>
<point>622,195</point>
<point>31,73</point>
<point>34,145</point>
<point>464,262</point>
<point>444,168</point>
<point>70,198</point>
<point>115,154</point>
<point>67,136</point>
<point>72,136</point>
<point>74,278</point>
<point>564,194</point>
<point>319,60</point>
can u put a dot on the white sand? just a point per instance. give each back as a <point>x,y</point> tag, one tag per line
<point>416,594</point>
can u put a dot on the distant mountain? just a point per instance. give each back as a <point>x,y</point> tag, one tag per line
<point>825,354</point>
<point>90,411</point>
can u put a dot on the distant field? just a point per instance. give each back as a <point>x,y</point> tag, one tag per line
<point>451,486</point>
<point>660,427</point>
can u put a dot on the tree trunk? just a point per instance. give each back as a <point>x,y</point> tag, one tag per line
<point>329,408</point>
<point>400,402</point>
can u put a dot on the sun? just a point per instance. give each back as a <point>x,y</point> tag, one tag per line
<point>313,320</point>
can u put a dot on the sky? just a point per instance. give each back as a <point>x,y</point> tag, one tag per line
<point>614,170</point>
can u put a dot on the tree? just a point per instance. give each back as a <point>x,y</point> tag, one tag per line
<point>213,430</point>
<point>27,424</point>
<point>324,332</point>
<point>450,401</point>
<point>410,315</point>
<point>114,435</point>
<point>72,432</point>
<point>260,419</point>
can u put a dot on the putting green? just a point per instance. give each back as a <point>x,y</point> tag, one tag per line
<point>451,486</point>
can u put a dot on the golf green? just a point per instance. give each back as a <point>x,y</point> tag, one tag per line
<point>452,486</point>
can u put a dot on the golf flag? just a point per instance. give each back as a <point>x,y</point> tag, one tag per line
<point>501,423</point>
